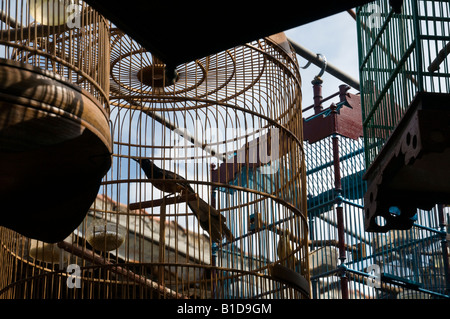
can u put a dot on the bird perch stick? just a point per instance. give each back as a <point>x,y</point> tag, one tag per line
<point>7,19</point>
<point>434,66</point>
<point>91,256</point>
<point>159,202</point>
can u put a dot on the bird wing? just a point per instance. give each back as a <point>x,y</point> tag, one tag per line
<point>160,175</point>
<point>206,215</point>
<point>181,181</point>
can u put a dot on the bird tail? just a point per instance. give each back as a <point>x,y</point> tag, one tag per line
<point>205,213</point>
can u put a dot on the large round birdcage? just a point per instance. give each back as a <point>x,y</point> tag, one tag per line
<point>230,224</point>
<point>230,125</point>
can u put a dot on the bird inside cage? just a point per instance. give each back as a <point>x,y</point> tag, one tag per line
<point>285,251</point>
<point>172,183</point>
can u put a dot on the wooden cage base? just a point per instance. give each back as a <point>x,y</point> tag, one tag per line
<point>55,148</point>
<point>412,169</point>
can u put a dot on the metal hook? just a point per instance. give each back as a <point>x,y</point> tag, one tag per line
<point>324,61</point>
<point>306,65</point>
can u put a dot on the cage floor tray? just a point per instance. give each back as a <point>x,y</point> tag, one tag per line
<point>412,169</point>
<point>55,147</point>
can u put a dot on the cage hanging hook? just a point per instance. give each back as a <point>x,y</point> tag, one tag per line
<point>306,65</point>
<point>324,64</point>
<point>321,58</point>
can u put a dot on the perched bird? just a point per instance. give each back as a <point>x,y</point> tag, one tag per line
<point>284,250</point>
<point>161,176</point>
<point>205,213</point>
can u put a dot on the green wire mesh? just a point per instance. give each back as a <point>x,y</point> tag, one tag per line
<point>400,55</point>
<point>409,263</point>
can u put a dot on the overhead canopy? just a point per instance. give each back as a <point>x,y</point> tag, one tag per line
<point>178,32</point>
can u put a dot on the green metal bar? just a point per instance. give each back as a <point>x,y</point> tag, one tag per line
<point>385,70</point>
<point>433,293</point>
<point>427,18</point>
<point>418,38</point>
<point>436,74</point>
<point>321,205</point>
<point>325,274</point>
<point>352,204</point>
<point>402,282</point>
<point>391,79</point>
<point>399,281</point>
<point>435,37</point>
<point>330,163</point>
<point>433,230</point>
<point>375,42</point>
<point>359,27</point>
<point>328,111</point>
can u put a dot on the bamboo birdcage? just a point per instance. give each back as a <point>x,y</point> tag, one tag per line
<point>193,122</point>
<point>195,126</point>
<point>54,117</point>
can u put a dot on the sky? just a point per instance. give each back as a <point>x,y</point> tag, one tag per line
<point>334,37</point>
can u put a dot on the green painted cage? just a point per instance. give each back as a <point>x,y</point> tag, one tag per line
<point>405,86</point>
<point>400,55</point>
